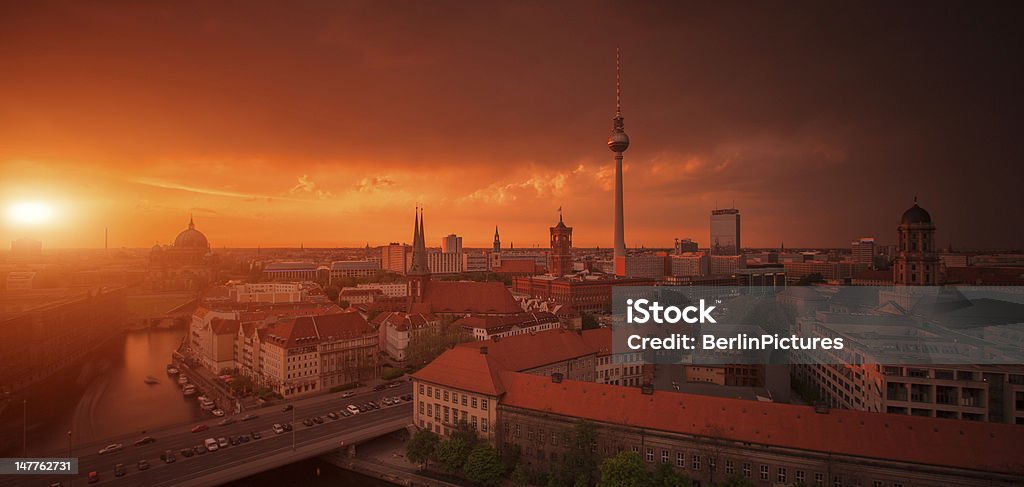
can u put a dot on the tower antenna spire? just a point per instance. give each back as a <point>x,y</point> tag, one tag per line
<point>618,81</point>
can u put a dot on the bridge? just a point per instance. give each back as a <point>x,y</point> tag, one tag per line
<point>237,461</point>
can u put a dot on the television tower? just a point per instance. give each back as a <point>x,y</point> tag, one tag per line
<point>618,142</point>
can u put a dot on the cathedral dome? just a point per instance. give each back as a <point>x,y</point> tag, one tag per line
<point>915,214</point>
<point>190,238</point>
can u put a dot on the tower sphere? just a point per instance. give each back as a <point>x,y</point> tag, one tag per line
<point>618,141</point>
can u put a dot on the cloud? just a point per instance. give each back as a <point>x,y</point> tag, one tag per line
<point>374,183</point>
<point>307,186</point>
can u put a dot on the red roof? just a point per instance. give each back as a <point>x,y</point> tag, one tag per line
<point>969,445</point>
<point>470,297</point>
<point>495,324</point>
<point>529,351</point>
<point>464,368</point>
<point>306,330</point>
<point>516,266</point>
<point>403,321</point>
<point>221,326</point>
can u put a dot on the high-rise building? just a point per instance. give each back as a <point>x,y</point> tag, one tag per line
<point>618,142</point>
<point>685,245</point>
<point>394,257</point>
<point>452,244</point>
<point>725,232</point>
<point>560,258</point>
<point>917,262</point>
<point>863,251</point>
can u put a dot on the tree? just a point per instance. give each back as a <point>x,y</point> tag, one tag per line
<point>589,321</point>
<point>666,476</point>
<point>483,466</point>
<point>422,447</point>
<point>579,460</point>
<point>625,469</point>
<point>463,431</point>
<point>332,292</point>
<point>520,476</point>
<point>452,454</point>
<point>344,304</point>
<point>735,480</point>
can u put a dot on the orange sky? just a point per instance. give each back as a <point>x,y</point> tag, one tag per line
<point>325,124</point>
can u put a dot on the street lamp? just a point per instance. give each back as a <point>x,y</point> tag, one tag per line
<point>72,480</point>
<point>24,428</point>
<point>293,428</point>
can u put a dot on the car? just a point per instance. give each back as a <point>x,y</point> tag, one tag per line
<point>145,441</point>
<point>226,422</point>
<point>94,477</point>
<point>143,465</point>
<point>345,413</point>
<point>318,419</point>
<point>217,412</point>
<point>111,448</point>
<point>386,401</point>
<point>392,385</point>
<point>348,394</point>
<point>363,408</point>
<point>379,387</point>
<point>256,435</point>
<point>249,417</point>
<point>168,457</point>
<point>243,439</point>
<point>307,422</point>
<point>333,415</point>
<point>223,442</point>
<point>200,449</point>
<point>211,444</point>
<point>287,408</point>
<point>352,409</point>
<point>186,452</point>
<point>200,428</point>
<point>407,397</point>
<point>374,405</point>
<point>278,429</point>
<point>287,426</point>
<point>119,470</point>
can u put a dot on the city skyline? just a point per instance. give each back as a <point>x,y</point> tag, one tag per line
<point>127,118</point>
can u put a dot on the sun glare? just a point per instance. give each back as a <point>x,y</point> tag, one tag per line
<point>30,212</point>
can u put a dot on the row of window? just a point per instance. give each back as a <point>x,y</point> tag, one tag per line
<point>454,397</point>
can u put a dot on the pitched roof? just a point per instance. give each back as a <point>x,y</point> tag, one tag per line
<point>529,351</point>
<point>221,326</point>
<point>464,368</point>
<point>470,297</point>
<point>496,323</point>
<point>403,321</point>
<point>306,330</point>
<point>979,446</point>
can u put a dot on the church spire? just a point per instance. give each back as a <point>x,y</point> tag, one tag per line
<point>419,267</point>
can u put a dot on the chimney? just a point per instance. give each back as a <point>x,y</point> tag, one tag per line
<point>483,350</point>
<point>556,378</point>
<point>647,389</point>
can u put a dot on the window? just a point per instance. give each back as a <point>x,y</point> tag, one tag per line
<point>430,390</point>
<point>429,409</point>
<point>680,460</point>
<point>800,476</point>
<point>483,404</point>
<point>636,449</point>
<point>780,475</point>
<point>446,396</point>
<point>437,393</point>
<point>837,481</point>
<point>421,389</point>
<point>463,399</point>
<point>695,462</point>
<point>483,425</point>
<point>746,470</point>
<point>877,483</point>
<point>729,467</point>
<point>474,402</point>
<point>421,407</point>
<point>819,478</point>
<point>473,422</point>
<point>519,431</point>
<point>764,473</point>
<point>650,455</point>
<point>664,456</point>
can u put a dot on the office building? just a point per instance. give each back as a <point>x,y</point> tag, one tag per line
<point>725,232</point>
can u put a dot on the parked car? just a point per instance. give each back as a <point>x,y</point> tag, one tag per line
<point>249,417</point>
<point>200,449</point>
<point>352,409</point>
<point>333,415</point>
<point>211,444</point>
<point>226,422</point>
<point>186,452</point>
<point>307,422</point>
<point>318,419</point>
<point>256,435</point>
<point>119,470</point>
<point>94,477</point>
<point>287,426</point>
<point>379,387</point>
<point>223,442</point>
<point>217,412</point>
<point>287,408</point>
<point>345,413</point>
<point>111,448</point>
<point>278,429</point>
<point>145,441</point>
<point>243,439</point>
<point>143,465</point>
<point>200,428</point>
<point>348,394</point>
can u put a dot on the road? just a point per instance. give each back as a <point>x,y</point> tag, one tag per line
<point>271,446</point>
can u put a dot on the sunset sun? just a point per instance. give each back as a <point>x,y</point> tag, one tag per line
<point>30,212</point>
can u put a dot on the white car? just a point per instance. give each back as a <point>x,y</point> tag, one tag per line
<point>111,448</point>
<point>211,444</point>
<point>217,412</point>
<point>278,429</point>
<point>352,409</point>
